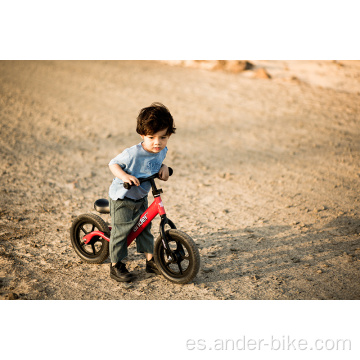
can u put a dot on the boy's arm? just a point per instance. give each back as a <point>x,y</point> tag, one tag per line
<point>164,172</point>
<point>122,175</point>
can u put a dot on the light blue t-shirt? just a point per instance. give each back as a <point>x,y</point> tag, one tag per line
<point>138,162</point>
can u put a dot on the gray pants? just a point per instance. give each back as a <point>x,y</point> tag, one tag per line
<point>124,215</point>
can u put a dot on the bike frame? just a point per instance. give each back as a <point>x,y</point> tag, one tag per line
<point>147,216</point>
<point>152,211</point>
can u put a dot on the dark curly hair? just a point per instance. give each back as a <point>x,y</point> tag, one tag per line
<point>155,118</point>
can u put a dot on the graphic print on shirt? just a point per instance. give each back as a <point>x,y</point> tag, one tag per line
<point>152,166</point>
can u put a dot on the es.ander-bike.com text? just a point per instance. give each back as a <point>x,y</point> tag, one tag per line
<point>283,343</point>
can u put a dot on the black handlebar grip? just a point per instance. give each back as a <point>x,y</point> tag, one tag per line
<point>127,186</point>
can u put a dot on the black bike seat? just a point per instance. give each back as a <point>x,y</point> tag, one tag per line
<point>102,206</point>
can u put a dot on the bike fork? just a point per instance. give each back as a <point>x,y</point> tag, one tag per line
<point>173,256</point>
<point>165,221</point>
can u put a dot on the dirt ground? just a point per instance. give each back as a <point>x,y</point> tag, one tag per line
<point>266,176</point>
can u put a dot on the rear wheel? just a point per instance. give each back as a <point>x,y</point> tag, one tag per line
<point>184,263</point>
<point>97,250</point>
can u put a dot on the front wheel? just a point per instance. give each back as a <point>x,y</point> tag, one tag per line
<point>184,264</point>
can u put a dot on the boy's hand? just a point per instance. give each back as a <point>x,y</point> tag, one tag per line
<point>164,173</point>
<point>132,180</point>
<point>122,175</point>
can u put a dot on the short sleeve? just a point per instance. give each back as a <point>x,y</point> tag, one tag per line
<point>122,160</point>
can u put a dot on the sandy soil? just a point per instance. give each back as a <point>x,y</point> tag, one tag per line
<point>266,176</point>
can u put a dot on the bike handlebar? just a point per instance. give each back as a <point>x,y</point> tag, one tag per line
<point>128,186</point>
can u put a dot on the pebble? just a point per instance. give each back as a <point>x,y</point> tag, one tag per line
<point>12,296</point>
<point>154,279</point>
<point>207,270</point>
<point>226,176</point>
<point>321,208</point>
<point>319,271</point>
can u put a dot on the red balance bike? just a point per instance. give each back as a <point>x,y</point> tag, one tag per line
<point>175,252</point>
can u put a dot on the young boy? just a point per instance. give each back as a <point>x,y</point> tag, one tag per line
<point>155,125</point>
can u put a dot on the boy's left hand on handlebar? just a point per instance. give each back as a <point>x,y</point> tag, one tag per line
<point>164,173</point>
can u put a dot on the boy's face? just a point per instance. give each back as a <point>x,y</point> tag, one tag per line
<point>154,143</point>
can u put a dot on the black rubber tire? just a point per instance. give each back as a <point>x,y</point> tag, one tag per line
<point>186,249</point>
<point>97,250</point>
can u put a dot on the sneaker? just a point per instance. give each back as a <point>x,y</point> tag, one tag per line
<point>119,272</point>
<point>151,267</point>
